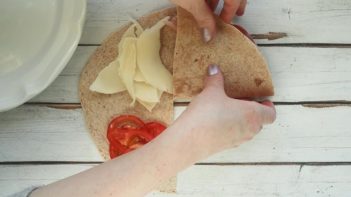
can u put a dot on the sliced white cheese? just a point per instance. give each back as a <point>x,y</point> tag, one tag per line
<point>147,105</point>
<point>159,94</point>
<point>133,31</point>
<point>138,76</point>
<point>146,92</point>
<point>149,60</point>
<point>139,29</point>
<point>108,81</point>
<point>127,64</point>
<point>138,67</point>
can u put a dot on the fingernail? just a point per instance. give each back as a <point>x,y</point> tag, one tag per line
<point>212,69</point>
<point>206,34</point>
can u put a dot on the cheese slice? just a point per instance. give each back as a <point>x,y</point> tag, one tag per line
<point>146,92</point>
<point>139,76</point>
<point>149,60</point>
<point>147,105</point>
<point>159,94</point>
<point>108,80</point>
<point>133,31</point>
<point>138,28</point>
<point>138,67</point>
<point>127,61</point>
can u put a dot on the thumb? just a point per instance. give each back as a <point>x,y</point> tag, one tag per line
<point>214,80</point>
<point>203,16</point>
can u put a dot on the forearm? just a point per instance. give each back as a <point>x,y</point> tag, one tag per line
<point>133,174</point>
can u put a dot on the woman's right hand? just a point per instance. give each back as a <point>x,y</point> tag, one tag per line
<point>211,123</point>
<point>217,122</point>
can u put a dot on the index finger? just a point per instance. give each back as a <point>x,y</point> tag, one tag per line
<point>229,9</point>
<point>241,8</point>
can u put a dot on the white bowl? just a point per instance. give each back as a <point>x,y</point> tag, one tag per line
<point>37,39</point>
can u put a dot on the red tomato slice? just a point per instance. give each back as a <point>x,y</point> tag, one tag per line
<point>136,146</point>
<point>114,152</point>
<point>126,136</point>
<point>117,136</point>
<point>138,137</point>
<point>127,122</point>
<point>124,122</point>
<point>155,128</point>
<point>127,132</point>
<point>117,149</point>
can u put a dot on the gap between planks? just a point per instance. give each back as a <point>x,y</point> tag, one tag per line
<point>306,45</point>
<point>312,104</point>
<point>334,163</point>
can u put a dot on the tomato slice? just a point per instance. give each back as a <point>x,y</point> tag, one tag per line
<point>114,152</point>
<point>127,136</point>
<point>124,122</point>
<point>138,136</point>
<point>155,128</point>
<point>127,132</point>
<point>117,136</point>
<point>127,122</point>
<point>117,149</point>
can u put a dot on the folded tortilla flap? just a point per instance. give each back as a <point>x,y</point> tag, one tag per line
<point>245,70</point>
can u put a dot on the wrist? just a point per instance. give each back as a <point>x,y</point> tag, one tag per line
<point>193,137</point>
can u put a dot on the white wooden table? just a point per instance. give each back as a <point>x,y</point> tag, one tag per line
<point>306,152</point>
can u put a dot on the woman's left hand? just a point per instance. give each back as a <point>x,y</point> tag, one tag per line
<point>202,11</point>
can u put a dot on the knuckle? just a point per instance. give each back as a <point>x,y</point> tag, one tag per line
<point>205,20</point>
<point>274,117</point>
<point>249,137</point>
<point>255,128</point>
<point>252,119</point>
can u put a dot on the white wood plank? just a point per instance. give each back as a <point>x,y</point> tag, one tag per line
<point>309,74</point>
<point>65,87</point>
<point>313,21</point>
<point>42,133</point>
<point>210,180</point>
<point>15,178</point>
<point>299,74</point>
<point>300,134</point>
<point>106,16</point>
<point>266,181</point>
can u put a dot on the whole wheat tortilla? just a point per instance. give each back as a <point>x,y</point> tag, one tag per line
<point>100,109</point>
<point>245,70</point>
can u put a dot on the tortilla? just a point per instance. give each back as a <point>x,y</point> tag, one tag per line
<point>245,70</point>
<point>100,109</point>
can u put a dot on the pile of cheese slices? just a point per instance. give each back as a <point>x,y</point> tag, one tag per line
<point>138,68</point>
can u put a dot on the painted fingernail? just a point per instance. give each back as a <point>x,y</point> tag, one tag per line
<point>206,34</point>
<point>213,69</point>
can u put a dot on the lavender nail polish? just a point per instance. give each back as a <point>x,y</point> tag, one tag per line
<point>206,34</point>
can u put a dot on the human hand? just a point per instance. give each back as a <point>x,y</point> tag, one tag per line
<point>217,122</point>
<point>211,123</point>
<point>202,11</point>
